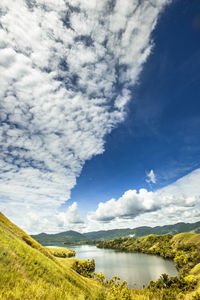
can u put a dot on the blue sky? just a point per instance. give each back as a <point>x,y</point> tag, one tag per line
<point>161,130</point>
<point>99,113</point>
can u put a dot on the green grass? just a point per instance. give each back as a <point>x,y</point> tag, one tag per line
<point>30,271</point>
<point>186,238</point>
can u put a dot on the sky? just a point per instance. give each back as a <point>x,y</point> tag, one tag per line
<point>99,113</point>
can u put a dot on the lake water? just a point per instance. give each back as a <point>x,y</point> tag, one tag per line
<point>136,268</point>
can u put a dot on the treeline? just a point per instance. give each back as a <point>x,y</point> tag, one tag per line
<point>152,244</point>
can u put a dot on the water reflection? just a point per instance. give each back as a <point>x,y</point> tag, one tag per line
<point>137,268</point>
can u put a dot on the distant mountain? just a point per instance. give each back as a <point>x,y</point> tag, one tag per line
<point>69,237</point>
<point>143,230</point>
<point>172,229</point>
<point>109,234</point>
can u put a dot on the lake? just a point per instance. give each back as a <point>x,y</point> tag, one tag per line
<point>136,268</point>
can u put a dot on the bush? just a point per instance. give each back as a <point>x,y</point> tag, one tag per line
<point>116,290</point>
<point>62,252</point>
<point>84,267</point>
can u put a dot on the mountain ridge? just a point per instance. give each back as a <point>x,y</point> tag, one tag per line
<point>70,236</point>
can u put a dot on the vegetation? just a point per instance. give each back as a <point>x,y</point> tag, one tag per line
<point>118,290</point>
<point>84,267</point>
<point>182,248</point>
<point>62,252</point>
<point>30,271</point>
<point>71,237</point>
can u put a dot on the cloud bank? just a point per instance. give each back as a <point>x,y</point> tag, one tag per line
<point>66,73</point>
<point>180,201</point>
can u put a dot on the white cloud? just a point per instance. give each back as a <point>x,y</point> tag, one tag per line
<point>129,205</point>
<point>180,201</point>
<point>151,177</point>
<point>61,65</point>
<point>71,216</point>
<point>61,221</point>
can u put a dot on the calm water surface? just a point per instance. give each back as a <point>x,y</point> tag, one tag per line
<point>136,268</point>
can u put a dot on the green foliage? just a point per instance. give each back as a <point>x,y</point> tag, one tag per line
<point>174,283</point>
<point>152,244</point>
<point>116,290</point>
<point>84,267</point>
<point>62,252</point>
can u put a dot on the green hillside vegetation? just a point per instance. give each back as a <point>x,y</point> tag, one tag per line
<point>183,248</point>
<point>73,237</point>
<point>62,252</point>
<point>30,271</point>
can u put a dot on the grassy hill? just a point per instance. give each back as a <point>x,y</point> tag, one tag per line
<point>30,271</point>
<point>69,237</point>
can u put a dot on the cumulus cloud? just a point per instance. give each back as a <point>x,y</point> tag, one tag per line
<point>129,205</point>
<point>66,70</point>
<point>61,221</point>
<point>176,202</point>
<point>71,216</point>
<point>151,177</point>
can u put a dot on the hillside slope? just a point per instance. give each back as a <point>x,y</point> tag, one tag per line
<point>29,271</point>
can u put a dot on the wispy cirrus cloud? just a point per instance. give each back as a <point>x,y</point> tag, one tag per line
<point>151,177</point>
<point>66,70</point>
